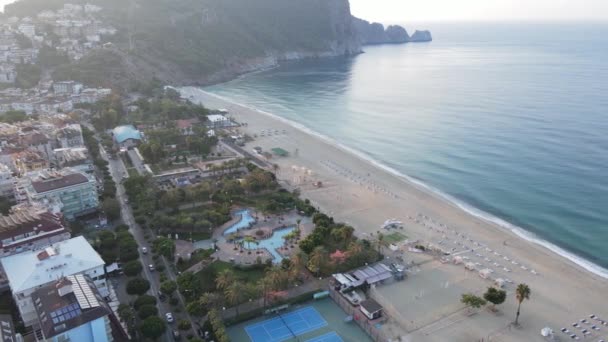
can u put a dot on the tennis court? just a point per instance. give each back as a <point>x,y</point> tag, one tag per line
<point>284,327</point>
<point>329,337</point>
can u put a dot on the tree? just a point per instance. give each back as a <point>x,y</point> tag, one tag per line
<point>522,293</point>
<point>472,300</point>
<point>165,247</point>
<point>184,324</point>
<point>146,311</point>
<point>112,208</point>
<point>495,296</point>
<point>235,293</point>
<point>153,327</point>
<point>318,260</point>
<point>13,116</point>
<point>144,300</point>
<point>133,268</point>
<point>138,286</point>
<point>168,287</point>
<point>126,314</point>
<point>224,279</point>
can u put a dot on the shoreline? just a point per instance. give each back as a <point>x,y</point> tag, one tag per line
<point>489,218</point>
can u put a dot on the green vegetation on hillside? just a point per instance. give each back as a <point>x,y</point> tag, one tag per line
<point>194,38</point>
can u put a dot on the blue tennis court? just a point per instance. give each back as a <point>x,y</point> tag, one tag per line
<point>329,337</point>
<point>285,326</point>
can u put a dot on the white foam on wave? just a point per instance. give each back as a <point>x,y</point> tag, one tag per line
<point>520,232</point>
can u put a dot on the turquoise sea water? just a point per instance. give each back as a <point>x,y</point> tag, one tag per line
<point>508,120</point>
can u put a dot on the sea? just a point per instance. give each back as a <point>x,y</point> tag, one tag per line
<point>508,121</point>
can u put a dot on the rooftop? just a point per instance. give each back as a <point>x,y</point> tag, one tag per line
<point>58,182</point>
<point>124,133</point>
<point>216,118</point>
<point>68,303</point>
<point>7,331</point>
<point>35,268</point>
<point>28,220</point>
<point>370,305</point>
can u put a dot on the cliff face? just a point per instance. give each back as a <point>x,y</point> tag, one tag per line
<point>375,33</point>
<point>208,41</point>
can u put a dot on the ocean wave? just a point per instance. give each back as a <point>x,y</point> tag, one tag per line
<point>471,210</point>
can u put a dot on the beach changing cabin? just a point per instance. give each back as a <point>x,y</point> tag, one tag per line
<point>371,309</point>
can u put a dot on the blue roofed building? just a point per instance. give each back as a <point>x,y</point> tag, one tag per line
<point>72,309</point>
<point>126,136</point>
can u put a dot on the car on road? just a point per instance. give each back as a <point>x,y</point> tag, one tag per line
<point>144,250</point>
<point>151,268</point>
<point>162,296</point>
<point>176,335</point>
<point>169,317</point>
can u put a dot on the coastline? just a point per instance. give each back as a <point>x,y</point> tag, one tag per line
<point>437,193</point>
<point>578,289</point>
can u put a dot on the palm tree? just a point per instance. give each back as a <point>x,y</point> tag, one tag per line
<point>521,293</point>
<point>298,264</point>
<point>211,300</point>
<point>263,287</point>
<point>235,294</point>
<point>380,241</point>
<point>318,260</point>
<point>249,240</point>
<point>224,279</point>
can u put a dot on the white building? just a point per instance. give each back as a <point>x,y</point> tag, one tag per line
<point>27,272</point>
<point>218,121</point>
<point>28,29</point>
<point>67,88</point>
<point>7,73</point>
<point>69,136</point>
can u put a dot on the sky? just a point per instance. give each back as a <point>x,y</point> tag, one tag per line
<point>399,11</point>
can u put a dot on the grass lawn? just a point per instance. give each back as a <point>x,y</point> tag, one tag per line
<point>197,236</point>
<point>207,276</point>
<point>394,237</point>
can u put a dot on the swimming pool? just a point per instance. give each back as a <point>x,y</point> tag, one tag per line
<point>272,243</point>
<point>245,222</point>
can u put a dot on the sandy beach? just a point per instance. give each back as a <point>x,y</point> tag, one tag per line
<point>363,195</point>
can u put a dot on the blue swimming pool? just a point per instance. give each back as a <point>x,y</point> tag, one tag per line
<point>272,243</point>
<point>245,222</point>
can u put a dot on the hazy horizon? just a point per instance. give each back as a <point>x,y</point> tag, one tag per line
<point>396,11</point>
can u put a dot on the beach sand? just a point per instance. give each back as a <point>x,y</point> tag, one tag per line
<point>361,194</point>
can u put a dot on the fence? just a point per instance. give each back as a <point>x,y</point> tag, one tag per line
<point>376,334</point>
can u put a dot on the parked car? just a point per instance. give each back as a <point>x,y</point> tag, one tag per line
<point>169,317</point>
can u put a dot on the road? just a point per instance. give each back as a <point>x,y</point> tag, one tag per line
<point>118,171</point>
